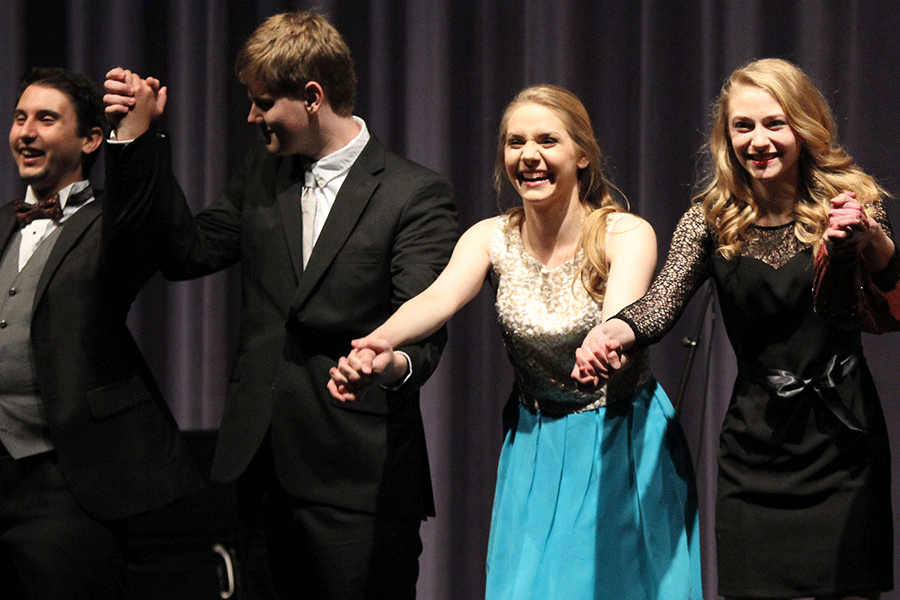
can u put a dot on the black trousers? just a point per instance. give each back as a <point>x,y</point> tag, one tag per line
<point>50,549</point>
<point>293,548</point>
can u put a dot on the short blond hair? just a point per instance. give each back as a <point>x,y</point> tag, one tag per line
<point>291,49</point>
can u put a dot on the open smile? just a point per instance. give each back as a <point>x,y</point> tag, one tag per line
<point>762,160</point>
<point>30,156</point>
<point>534,178</point>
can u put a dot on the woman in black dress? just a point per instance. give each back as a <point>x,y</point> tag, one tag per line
<point>803,506</point>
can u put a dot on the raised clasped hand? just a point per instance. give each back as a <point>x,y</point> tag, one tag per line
<point>596,359</point>
<point>850,229</point>
<point>132,103</point>
<point>364,367</point>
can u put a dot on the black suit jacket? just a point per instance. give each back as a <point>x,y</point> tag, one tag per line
<point>118,446</point>
<point>389,234</point>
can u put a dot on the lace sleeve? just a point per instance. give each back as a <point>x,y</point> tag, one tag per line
<point>879,213</point>
<point>687,266</point>
<point>888,277</point>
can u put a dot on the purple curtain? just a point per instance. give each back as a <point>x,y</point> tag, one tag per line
<point>434,77</point>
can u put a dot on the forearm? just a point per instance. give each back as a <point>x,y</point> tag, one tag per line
<point>620,331</point>
<point>878,252</point>
<point>132,178</point>
<point>687,266</point>
<point>417,327</point>
<point>416,320</point>
<point>412,347</point>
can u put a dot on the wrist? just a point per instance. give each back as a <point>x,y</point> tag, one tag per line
<point>398,372</point>
<point>878,251</point>
<point>124,133</point>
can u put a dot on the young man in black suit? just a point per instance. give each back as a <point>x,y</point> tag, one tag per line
<point>86,437</point>
<point>333,233</point>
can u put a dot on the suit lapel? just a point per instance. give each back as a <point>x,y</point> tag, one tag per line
<point>69,234</point>
<point>361,182</point>
<point>288,191</point>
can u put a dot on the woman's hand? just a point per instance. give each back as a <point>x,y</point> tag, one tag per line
<point>850,229</point>
<point>851,232</point>
<point>371,362</point>
<point>597,357</point>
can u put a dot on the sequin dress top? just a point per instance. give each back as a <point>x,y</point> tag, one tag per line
<point>544,316</point>
<point>803,499</point>
<point>582,471</point>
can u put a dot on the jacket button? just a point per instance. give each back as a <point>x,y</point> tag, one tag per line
<point>3,324</point>
<point>12,291</point>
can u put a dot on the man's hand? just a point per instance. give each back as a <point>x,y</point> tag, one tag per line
<point>371,362</point>
<point>132,103</point>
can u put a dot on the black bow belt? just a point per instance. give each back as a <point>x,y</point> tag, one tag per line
<point>788,386</point>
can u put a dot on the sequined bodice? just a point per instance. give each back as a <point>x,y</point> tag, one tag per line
<point>544,316</point>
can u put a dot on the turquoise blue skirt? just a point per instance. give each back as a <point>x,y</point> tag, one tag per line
<point>601,504</point>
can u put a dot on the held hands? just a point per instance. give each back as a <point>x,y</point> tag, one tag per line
<point>371,362</point>
<point>132,103</point>
<point>850,229</point>
<point>597,357</point>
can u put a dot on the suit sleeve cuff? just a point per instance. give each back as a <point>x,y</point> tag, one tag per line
<point>399,383</point>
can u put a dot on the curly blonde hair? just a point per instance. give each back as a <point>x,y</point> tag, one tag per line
<point>825,168</point>
<point>594,189</point>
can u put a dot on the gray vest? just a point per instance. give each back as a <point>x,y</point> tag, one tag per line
<point>23,423</point>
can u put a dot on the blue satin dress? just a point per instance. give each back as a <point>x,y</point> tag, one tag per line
<point>595,494</point>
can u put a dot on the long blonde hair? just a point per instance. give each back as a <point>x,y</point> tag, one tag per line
<point>825,168</point>
<point>594,190</point>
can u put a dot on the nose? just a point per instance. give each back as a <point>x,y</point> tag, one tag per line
<point>759,138</point>
<point>531,152</point>
<point>255,114</point>
<point>26,129</point>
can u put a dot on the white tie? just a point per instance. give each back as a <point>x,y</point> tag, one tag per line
<point>308,203</point>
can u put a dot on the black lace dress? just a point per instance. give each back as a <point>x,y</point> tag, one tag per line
<point>803,505</point>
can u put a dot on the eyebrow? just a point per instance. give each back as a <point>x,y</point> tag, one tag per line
<point>539,134</point>
<point>43,112</point>
<point>738,117</point>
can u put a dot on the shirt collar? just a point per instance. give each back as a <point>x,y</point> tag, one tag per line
<point>339,162</point>
<point>64,194</point>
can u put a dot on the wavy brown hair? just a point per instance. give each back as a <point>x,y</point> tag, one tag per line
<point>594,189</point>
<point>825,169</point>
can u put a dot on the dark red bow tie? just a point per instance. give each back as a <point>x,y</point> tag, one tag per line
<point>46,209</point>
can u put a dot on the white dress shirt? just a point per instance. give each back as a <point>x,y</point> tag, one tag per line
<point>330,172</point>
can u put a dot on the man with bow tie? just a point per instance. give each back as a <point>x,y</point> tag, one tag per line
<point>85,437</point>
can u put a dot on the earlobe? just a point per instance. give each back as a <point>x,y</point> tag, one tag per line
<point>583,162</point>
